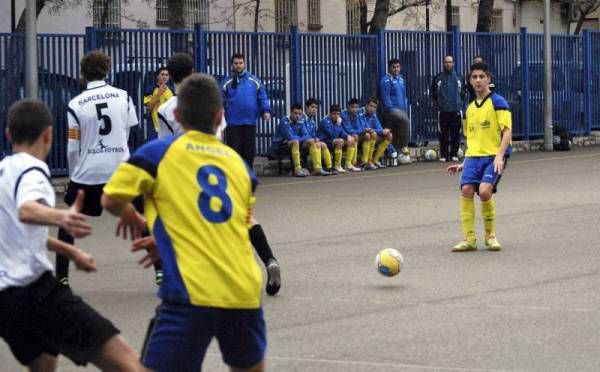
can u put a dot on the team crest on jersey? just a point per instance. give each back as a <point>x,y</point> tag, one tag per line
<point>485,124</point>
<point>102,148</point>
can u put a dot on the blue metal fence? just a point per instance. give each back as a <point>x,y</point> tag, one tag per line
<point>58,82</point>
<point>333,68</point>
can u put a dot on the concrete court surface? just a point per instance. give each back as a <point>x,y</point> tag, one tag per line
<point>534,306</point>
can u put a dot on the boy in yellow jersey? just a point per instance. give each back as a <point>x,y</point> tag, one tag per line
<point>158,94</point>
<point>211,283</point>
<point>488,129</point>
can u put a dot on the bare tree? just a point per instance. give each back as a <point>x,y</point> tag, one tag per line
<point>383,10</point>
<point>583,8</point>
<point>484,16</point>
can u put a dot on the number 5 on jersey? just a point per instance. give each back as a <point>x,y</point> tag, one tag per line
<point>209,191</point>
<point>106,125</point>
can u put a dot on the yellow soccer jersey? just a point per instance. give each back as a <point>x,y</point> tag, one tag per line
<point>484,124</point>
<point>164,97</point>
<point>198,193</point>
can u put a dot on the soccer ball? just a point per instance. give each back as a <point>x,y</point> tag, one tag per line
<point>460,153</point>
<point>389,262</point>
<point>430,155</point>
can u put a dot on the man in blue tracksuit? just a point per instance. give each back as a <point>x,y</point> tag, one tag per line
<point>392,90</point>
<point>447,91</point>
<point>244,100</point>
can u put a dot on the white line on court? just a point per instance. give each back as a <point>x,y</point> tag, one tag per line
<point>437,170</point>
<point>366,364</point>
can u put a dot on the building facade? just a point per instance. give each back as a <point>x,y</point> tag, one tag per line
<point>319,16</point>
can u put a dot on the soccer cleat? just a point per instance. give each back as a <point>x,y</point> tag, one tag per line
<point>455,159</point>
<point>492,244</point>
<point>273,277</point>
<point>158,277</point>
<point>352,168</point>
<point>379,164</point>
<point>301,172</point>
<point>465,246</point>
<point>320,172</point>
<point>64,281</point>
<point>368,166</point>
<point>339,169</point>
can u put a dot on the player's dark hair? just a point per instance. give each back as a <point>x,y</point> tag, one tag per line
<point>237,56</point>
<point>197,88</point>
<point>312,101</point>
<point>296,106</point>
<point>480,66</point>
<point>95,66</point>
<point>26,120</point>
<point>373,100</point>
<point>161,69</point>
<point>394,61</point>
<point>353,101</point>
<point>180,66</point>
<point>335,108</point>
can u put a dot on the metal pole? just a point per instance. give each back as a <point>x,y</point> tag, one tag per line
<point>448,15</point>
<point>427,16</point>
<point>12,16</point>
<point>31,73</point>
<point>548,146</point>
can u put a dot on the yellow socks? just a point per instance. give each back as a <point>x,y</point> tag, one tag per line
<point>315,156</point>
<point>380,150</point>
<point>366,150</point>
<point>296,156</point>
<point>488,212</point>
<point>467,216</point>
<point>327,157</point>
<point>355,153</point>
<point>337,155</point>
<point>350,153</point>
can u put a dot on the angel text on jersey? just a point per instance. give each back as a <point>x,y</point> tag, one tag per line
<point>98,97</point>
<point>102,148</point>
<point>206,148</point>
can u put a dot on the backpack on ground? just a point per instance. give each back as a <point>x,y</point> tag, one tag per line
<point>561,138</point>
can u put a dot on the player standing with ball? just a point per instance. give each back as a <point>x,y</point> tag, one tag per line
<point>488,129</point>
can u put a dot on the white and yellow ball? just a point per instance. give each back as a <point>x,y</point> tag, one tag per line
<point>430,155</point>
<point>389,262</point>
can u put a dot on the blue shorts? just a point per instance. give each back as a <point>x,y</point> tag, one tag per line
<point>182,333</point>
<point>477,170</point>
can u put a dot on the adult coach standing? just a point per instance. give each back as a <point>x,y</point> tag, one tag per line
<point>392,91</point>
<point>244,100</point>
<point>447,92</point>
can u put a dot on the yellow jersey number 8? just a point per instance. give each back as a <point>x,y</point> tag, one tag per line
<point>209,191</point>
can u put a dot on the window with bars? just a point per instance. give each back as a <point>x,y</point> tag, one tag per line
<point>286,15</point>
<point>456,16</point>
<point>314,15</point>
<point>106,13</point>
<point>196,12</point>
<point>496,25</point>
<point>162,12</point>
<point>352,17</point>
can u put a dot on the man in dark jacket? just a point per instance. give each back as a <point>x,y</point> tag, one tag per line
<point>244,100</point>
<point>447,91</point>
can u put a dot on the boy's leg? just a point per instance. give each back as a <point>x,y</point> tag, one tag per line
<point>43,363</point>
<point>380,150</point>
<point>117,355</point>
<point>469,181</point>
<point>62,261</point>
<point>242,339</point>
<point>326,155</point>
<point>444,128</point>
<point>454,129</point>
<point>488,206</point>
<point>180,337</point>
<point>262,247</point>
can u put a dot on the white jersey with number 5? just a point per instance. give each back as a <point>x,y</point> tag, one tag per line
<point>99,122</point>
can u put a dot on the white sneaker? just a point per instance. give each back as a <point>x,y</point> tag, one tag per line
<point>443,160</point>
<point>379,164</point>
<point>455,159</point>
<point>340,169</point>
<point>352,168</point>
<point>404,159</point>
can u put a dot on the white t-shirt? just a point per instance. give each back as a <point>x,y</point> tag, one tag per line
<point>23,247</point>
<point>99,122</point>
<point>168,126</point>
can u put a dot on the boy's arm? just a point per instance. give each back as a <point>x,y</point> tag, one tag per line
<point>82,260</point>
<point>35,212</point>
<point>74,137</point>
<point>504,143</point>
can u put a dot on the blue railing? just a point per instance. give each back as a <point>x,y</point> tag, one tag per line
<point>333,68</point>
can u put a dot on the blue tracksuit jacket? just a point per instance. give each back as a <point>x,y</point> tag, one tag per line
<point>328,130</point>
<point>393,93</point>
<point>288,130</point>
<point>244,99</point>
